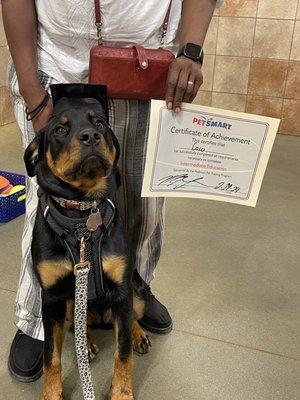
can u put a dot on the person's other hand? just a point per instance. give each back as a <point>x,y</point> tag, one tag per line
<point>32,101</point>
<point>184,80</point>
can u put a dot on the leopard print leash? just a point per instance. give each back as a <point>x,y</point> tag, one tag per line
<point>81,271</point>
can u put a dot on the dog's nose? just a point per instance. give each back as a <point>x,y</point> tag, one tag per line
<point>89,137</point>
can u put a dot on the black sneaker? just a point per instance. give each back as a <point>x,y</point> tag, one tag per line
<point>157,318</point>
<point>25,362</point>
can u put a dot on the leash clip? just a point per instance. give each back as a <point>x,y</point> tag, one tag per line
<point>82,265</point>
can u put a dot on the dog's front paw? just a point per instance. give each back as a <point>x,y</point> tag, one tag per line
<point>141,341</point>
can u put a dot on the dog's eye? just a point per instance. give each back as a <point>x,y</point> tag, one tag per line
<point>61,130</point>
<point>99,123</point>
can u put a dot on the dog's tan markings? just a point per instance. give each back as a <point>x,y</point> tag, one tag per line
<point>63,120</point>
<point>122,379</point>
<point>67,162</point>
<point>68,159</point>
<point>50,272</point>
<point>52,385</point>
<point>138,307</point>
<point>95,187</point>
<point>99,317</point>
<point>141,341</point>
<point>114,266</point>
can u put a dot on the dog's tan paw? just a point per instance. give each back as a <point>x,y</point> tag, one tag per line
<point>141,341</point>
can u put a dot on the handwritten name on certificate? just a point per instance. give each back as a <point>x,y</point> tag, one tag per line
<point>207,153</point>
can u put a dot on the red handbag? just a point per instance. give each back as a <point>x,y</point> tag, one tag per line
<point>130,72</point>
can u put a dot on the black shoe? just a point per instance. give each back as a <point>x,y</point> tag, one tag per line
<point>157,318</point>
<point>25,361</point>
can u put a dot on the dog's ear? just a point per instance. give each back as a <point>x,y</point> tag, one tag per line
<point>34,153</point>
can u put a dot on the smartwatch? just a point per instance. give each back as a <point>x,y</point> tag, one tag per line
<point>192,51</point>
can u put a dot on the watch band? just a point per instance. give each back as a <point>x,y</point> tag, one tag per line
<point>182,52</point>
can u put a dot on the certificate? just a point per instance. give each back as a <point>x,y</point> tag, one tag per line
<point>207,153</point>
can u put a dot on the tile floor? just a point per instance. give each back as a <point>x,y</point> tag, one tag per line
<point>230,277</point>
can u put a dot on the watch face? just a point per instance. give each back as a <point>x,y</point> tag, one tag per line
<point>192,50</point>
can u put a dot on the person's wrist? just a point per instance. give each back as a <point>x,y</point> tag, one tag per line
<point>32,95</point>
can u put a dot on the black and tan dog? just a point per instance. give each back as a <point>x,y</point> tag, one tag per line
<point>75,161</point>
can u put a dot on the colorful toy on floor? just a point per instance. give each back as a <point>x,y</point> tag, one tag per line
<point>5,185</point>
<point>12,195</point>
<point>12,190</point>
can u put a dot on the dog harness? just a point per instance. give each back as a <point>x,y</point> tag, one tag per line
<point>83,238</point>
<point>93,229</point>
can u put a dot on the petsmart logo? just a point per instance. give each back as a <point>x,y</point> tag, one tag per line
<point>203,121</point>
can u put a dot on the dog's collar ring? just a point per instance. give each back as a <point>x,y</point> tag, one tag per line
<point>81,232</point>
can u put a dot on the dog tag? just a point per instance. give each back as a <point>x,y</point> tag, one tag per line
<point>94,221</point>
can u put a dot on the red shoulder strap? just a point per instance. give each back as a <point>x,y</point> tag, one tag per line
<point>167,18</point>
<point>97,11</point>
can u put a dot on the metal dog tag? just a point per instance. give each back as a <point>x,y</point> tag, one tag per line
<point>94,221</point>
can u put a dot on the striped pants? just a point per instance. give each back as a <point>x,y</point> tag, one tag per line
<point>143,217</point>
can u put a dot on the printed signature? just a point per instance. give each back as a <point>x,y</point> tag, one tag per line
<point>183,181</point>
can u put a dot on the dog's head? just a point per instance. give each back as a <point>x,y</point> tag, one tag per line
<point>76,151</point>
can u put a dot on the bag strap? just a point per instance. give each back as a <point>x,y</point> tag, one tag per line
<point>164,27</point>
<point>98,22</point>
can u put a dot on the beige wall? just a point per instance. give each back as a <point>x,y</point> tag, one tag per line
<point>252,61</point>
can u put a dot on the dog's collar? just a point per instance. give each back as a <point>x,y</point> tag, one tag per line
<point>74,204</point>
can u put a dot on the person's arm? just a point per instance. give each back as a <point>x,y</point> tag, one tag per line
<point>20,24</point>
<point>195,20</point>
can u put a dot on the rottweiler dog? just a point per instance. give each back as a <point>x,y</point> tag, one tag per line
<point>74,159</point>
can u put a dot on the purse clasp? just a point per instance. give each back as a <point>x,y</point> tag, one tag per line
<point>141,52</point>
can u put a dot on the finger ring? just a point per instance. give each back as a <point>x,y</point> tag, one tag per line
<point>190,83</point>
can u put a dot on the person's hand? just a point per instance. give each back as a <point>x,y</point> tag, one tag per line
<point>184,80</point>
<point>32,100</point>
